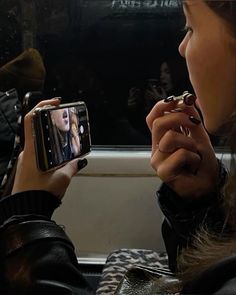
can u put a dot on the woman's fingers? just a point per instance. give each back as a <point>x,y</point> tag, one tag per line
<point>177,122</point>
<point>172,140</point>
<point>70,168</point>
<point>163,108</point>
<point>158,111</point>
<point>65,174</point>
<point>61,178</point>
<point>28,123</point>
<point>173,122</point>
<point>178,163</point>
<point>170,143</point>
<point>164,118</point>
<point>182,154</point>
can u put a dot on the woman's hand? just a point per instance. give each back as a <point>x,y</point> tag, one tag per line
<point>186,162</point>
<point>28,176</point>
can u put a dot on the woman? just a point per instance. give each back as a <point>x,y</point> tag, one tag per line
<point>199,229</point>
<point>187,165</point>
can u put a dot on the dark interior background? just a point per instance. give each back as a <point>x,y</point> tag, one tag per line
<point>119,56</point>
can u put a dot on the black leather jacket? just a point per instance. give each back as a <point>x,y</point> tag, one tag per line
<point>182,220</point>
<point>10,112</point>
<point>37,257</point>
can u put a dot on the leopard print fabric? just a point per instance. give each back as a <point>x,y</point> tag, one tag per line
<point>119,261</point>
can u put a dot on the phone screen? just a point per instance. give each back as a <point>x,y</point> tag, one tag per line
<point>65,135</point>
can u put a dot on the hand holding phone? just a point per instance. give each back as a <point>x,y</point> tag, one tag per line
<point>61,134</point>
<point>29,177</point>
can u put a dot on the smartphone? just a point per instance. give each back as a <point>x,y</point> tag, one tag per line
<point>61,133</point>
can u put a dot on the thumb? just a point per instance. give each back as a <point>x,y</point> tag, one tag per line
<point>65,174</point>
<point>72,167</point>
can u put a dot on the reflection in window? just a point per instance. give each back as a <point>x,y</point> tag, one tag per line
<point>120,57</point>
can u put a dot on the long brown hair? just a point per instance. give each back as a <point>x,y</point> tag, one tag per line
<point>226,9</point>
<point>207,247</point>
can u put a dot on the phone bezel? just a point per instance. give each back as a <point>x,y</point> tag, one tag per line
<point>41,134</point>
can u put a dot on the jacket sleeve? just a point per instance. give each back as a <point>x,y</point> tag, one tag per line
<point>184,218</point>
<point>37,257</point>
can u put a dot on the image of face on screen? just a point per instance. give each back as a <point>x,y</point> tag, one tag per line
<point>61,119</point>
<point>65,135</point>
<point>75,132</point>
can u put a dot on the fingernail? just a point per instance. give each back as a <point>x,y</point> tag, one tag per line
<point>82,163</point>
<point>194,120</point>
<point>169,99</point>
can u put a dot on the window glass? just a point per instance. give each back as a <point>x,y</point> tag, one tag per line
<point>119,56</point>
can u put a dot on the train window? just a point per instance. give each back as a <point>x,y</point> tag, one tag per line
<point>119,56</point>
